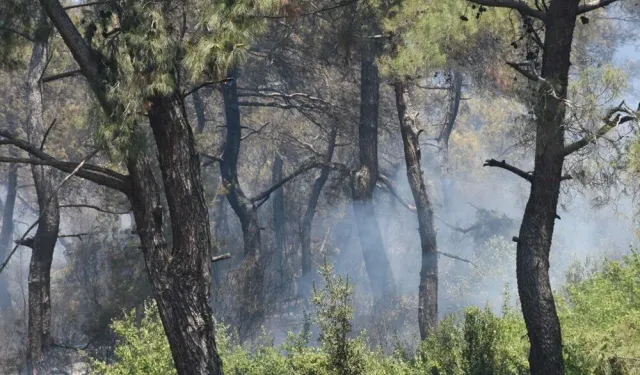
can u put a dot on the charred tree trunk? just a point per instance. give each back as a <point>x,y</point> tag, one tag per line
<point>252,298</point>
<point>443,139</point>
<point>534,244</point>
<point>39,338</point>
<point>364,179</point>
<point>6,235</point>
<point>428,288</point>
<point>180,277</point>
<point>279,221</point>
<point>307,256</point>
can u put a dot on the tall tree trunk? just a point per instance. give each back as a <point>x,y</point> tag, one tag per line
<point>251,300</point>
<point>183,286</point>
<point>6,234</point>
<point>364,179</point>
<point>279,222</point>
<point>180,277</point>
<point>307,256</point>
<point>428,289</point>
<point>198,104</point>
<point>443,139</point>
<point>39,338</point>
<point>536,231</point>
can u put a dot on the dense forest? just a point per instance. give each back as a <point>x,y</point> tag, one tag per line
<point>330,187</point>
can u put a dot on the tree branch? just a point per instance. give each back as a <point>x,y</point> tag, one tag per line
<point>81,5</point>
<point>19,33</point>
<point>610,124</point>
<point>44,210</point>
<point>58,76</point>
<point>46,134</point>
<point>392,189</point>
<point>100,175</point>
<point>306,166</point>
<point>218,258</point>
<point>502,164</point>
<point>594,5</point>
<point>513,4</point>
<point>95,208</point>
<point>204,84</point>
<point>456,258</point>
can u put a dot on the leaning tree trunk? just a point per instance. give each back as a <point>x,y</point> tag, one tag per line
<point>534,241</point>
<point>251,300</point>
<point>6,234</point>
<point>39,338</point>
<point>180,276</point>
<point>307,256</point>
<point>364,179</point>
<point>428,288</point>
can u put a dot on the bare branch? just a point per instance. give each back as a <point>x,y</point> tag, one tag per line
<point>56,77</point>
<point>274,105</point>
<point>95,208</point>
<point>594,5</point>
<point>456,258</point>
<point>44,210</point>
<point>306,166</point>
<point>46,133</point>
<point>79,235</point>
<point>522,7</point>
<point>218,258</point>
<point>610,124</point>
<point>392,189</point>
<point>204,84</point>
<point>212,159</point>
<point>81,5</point>
<point>100,175</point>
<point>502,164</point>
<point>253,131</point>
<point>19,33</point>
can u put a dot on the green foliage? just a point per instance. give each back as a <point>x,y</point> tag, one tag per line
<point>600,317</point>
<point>334,315</point>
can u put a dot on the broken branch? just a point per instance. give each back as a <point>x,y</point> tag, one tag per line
<point>512,4</point>
<point>218,258</point>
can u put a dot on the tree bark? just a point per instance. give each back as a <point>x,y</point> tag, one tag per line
<point>443,139</point>
<point>39,337</point>
<point>180,277</point>
<point>534,244</point>
<point>428,288</point>
<point>198,104</point>
<point>6,234</point>
<point>307,255</point>
<point>251,301</point>
<point>364,179</point>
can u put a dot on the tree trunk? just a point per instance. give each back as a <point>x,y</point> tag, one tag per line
<point>428,288</point>
<point>198,104</point>
<point>39,338</point>
<point>279,222</point>
<point>180,277</point>
<point>251,300</point>
<point>6,235</point>
<point>534,244</point>
<point>364,179</point>
<point>183,282</point>
<point>307,256</point>
<point>443,140</point>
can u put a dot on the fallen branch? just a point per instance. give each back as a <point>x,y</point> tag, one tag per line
<point>218,258</point>
<point>392,189</point>
<point>456,258</point>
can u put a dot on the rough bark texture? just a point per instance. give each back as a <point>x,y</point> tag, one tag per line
<point>443,139</point>
<point>538,305</point>
<point>307,220</point>
<point>198,104</point>
<point>251,301</point>
<point>428,288</point>
<point>180,276</point>
<point>6,234</point>
<point>364,179</point>
<point>39,337</point>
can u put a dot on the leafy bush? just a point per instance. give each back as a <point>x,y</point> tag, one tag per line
<point>600,316</point>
